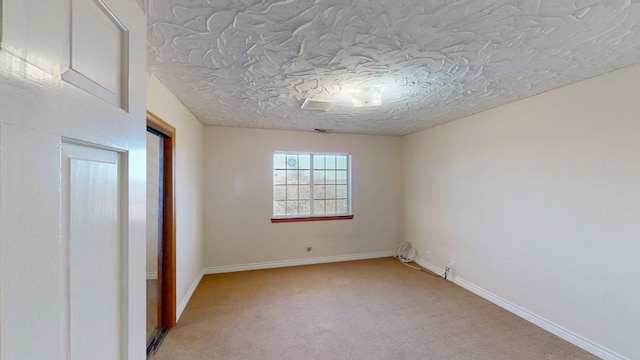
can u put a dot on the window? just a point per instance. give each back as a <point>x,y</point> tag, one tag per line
<point>311,186</point>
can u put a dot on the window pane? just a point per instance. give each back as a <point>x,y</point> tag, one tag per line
<point>318,207</point>
<point>305,207</point>
<point>330,162</point>
<point>292,207</point>
<point>279,177</point>
<point>292,193</point>
<point>341,191</point>
<point>280,192</point>
<point>318,192</point>
<point>330,206</point>
<point>318,177</point>
<point>279,208</point>
<point>330,192</point>
<point>341,162</point>
<point>304,192</point>
<point>318,161</point>
<point>279,161</point>
<point>304,161</point>
<point>305,177</point>
<point>310,184</point>
<point>341,206</point>
<point>292,161</point>
<point>330,177</point>
<point>292,176</point>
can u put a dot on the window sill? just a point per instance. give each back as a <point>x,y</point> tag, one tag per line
<point>311,218</point>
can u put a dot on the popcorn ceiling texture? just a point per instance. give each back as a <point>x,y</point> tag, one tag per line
<point>251,63</point>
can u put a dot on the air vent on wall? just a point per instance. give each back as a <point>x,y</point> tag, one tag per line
<point>317,105</point>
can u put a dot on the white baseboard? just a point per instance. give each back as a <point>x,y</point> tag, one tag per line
<point>296,262</point>
<point>188,295</point>
<point>152,275</point>
<point>551,327</point>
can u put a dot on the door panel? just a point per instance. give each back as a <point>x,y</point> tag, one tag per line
<point>99,67</point>
<point>43,272</point>
<point>95,257</point>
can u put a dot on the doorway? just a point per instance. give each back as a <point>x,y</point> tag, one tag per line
<point>161,287</point>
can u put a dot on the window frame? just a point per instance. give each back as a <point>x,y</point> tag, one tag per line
<point>312,217</point>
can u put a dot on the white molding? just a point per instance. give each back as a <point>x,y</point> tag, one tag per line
<point>83,82</point>
<point>547,325</point>
<point>118,96</point>
<point>152,275</point>
<point>185,299</point>
<point>296,262</point>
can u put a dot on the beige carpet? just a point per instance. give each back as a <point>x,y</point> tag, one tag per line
<point>371,309</point>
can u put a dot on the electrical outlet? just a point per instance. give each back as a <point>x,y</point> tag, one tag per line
<point>452,264</point>
<point>429,255</point>
<point>309,249</point>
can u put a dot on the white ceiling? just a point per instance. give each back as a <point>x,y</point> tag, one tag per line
<point>251,63</point>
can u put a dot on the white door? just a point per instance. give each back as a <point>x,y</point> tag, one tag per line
<point>72,180</point>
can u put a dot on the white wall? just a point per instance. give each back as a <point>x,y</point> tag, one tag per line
<point>188,186</point>
<point>538,202</point>
<point>239,195</point>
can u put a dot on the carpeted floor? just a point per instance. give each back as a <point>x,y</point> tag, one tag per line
<point>370,309</point>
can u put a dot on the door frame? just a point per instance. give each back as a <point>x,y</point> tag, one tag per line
<point>167,273</point>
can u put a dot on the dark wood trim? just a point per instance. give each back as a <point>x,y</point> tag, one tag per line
<point>311,218</point>
<point>159,125</point>
<point>168,270</point>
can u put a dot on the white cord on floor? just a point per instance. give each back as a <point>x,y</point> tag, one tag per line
<point>406,253</point>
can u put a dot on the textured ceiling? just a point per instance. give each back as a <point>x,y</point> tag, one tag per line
<point>250,63</point>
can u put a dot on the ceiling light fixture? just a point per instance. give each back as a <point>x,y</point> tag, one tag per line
<point>366,97</point>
